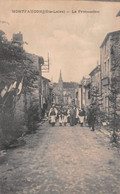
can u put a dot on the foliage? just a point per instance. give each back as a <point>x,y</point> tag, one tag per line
<point>96,105</point>
<point>33,116</point>
<point>13,59</point>
<point>15,65</point>
<point>10,129</point>
<point>114,114</point>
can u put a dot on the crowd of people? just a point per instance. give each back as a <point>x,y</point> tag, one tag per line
<point>72,115</point>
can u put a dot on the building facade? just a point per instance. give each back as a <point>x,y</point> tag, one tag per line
<point>43,88</point>
<point>110,66</point>
<point>83,93</point>
<point>95,86</point>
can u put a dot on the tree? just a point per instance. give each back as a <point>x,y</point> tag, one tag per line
<point>114,96</point>
<point>96,102</point>
<point>14,66</point>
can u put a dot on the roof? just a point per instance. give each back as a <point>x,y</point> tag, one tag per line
<point>67,84</point>
<point>107,36</point>
<point>95,70</point>
<point>45,79</point>
<point>70,84</point>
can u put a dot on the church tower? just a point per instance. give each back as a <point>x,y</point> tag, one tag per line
<point>60,82</point>
<point>60,86</point>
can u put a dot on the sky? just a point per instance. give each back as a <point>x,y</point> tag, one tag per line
<point>72,38</point>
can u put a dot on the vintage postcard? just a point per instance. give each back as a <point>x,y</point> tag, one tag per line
<point>59,97</point>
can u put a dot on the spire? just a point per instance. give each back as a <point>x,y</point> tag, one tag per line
<point>60,78</point>
<point>60,87</point>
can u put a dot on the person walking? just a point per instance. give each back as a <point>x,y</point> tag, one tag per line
<point>72,116</point>
<point>68,115</point>
<point>76,115</point>
<point>53,112</point>
<point>81,117</point>
<point>65,117</point>
<point>91,118</point>
<point>60,116</point>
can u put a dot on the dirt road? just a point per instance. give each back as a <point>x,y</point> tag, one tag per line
<point>61,160</point>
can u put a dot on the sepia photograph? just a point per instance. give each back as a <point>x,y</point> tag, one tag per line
<point>59,97</point>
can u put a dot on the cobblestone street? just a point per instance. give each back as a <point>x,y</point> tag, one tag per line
<point>61,160</point>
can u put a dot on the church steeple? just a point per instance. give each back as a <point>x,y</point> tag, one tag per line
<point>60,78</point>
<point>60,82</point>
<point>60,88</point>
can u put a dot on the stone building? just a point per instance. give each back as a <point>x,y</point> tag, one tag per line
<point>95,87</point>
<point>83,93</point>
<point>95,75</point>
<point>41,93</point>
<point>46,96</point>
<point>110,65</point>
<point>43,90</point>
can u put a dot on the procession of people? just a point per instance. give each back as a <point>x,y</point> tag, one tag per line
<point>71,115</point>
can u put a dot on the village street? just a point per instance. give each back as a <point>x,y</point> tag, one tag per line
<point>61,160</point>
